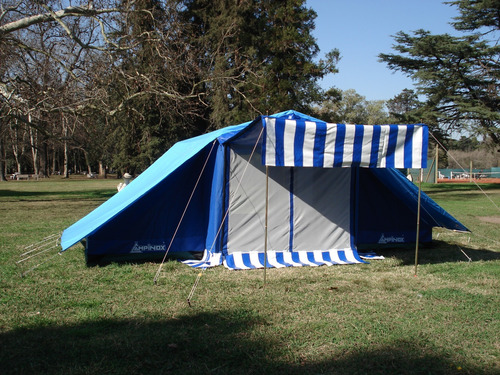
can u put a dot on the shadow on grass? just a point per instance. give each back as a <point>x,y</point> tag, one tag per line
<point>14,195</point>
<point>439,252</point>
<point>229,342</point>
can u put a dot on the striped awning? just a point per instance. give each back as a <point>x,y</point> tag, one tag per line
<point>300,143</point>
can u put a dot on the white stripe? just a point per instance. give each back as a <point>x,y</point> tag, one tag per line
<point>288,143</point>
<point>348,145</point>
<point>254,260</point>
<point>304,260</point>
<point>272,261</point>
<point>334,255</point>
<point>367,146</point>
<point>216,259</point>
<point>308,148</point>
<point>331,135</point>
<point>383,144</point>
<point>208,260</point>
<point>399,153</point>
<point>270,141</point>
<point>349,254</point>
<point>416,156</point>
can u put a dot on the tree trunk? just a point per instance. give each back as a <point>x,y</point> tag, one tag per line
<point>66,160</point>
<point>89,168</point>
<point>102,170</point>
<point>54,161</point>
<point>75,161</point>
<point>44,159</point>
<point>14,136</point>
<point>66,151</point>
<point>2,160</point>
<point>34,150</point>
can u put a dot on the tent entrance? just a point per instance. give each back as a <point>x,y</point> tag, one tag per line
<point>309,213</point>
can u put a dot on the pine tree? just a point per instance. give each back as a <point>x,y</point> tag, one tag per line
<point>458,75</point>
<point>260,55</point>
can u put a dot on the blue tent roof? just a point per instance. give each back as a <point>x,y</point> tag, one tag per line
<point>177,155</point>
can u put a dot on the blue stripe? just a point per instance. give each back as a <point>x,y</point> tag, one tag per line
<point>295,257</point>
<point>339,146</point>
<point>280,258</point>
<point>298,143</point>
<point>342,256</point>
<point>408,147</point>
<point>280,142</point>
<point>425,145</point>
<point>262,260</point>
<point>290,241</point>
<point>328,258</point>
<point>245,257</point>
<point>319,144</point>
<point>375,146</point>
<point>391,148</point>
<point>230,261</point>
<point>359,131</point>
<point>357,257</point>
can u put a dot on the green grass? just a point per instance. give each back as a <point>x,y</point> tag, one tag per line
<point>377,318</point>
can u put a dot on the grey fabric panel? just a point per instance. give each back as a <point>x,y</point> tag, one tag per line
<point>246,218</point>
<point>321,208</point>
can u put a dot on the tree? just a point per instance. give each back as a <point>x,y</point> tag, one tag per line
<point>260,56</point>
<point>404,107</point>
<point>45,49</point>
<point>458,75</point>
<point>349,107</point>
<point>117,82</point>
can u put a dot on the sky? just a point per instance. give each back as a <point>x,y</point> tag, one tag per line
<point>362,29</point>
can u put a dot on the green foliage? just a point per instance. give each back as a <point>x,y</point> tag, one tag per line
<point>464,144</point>
<point>260,55</point>
<point>349,107</point>
<point>477,14</point>
<point>457,75</point>
<point>405,107</point>
<point>199,65</point>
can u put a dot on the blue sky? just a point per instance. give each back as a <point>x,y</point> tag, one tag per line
<point>361,29</point>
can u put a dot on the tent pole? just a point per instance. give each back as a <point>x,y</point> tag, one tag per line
<point>418,220</point>
<point>265,229</point>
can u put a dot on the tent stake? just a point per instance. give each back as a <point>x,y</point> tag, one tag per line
<point>265,229</point>
<point>418,220</point>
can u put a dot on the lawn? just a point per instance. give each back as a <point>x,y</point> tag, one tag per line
<point>379,318</point>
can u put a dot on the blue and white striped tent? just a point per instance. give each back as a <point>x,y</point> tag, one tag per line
<point>332,188</point>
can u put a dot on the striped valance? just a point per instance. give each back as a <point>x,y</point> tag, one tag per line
<point>277,259</point>
<point>299,143</point>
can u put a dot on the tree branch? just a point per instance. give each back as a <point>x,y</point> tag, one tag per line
<point>72,11</point>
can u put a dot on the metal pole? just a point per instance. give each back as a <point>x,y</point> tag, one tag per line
<point>470,171</point>
<point>265,225</point>
<point>436,171</point>
<point>418,222</point>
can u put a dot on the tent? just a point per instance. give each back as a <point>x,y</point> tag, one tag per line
<point>282,190</point>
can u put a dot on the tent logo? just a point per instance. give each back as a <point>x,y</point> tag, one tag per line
<point>390,239</point>
<point>136,249</point>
